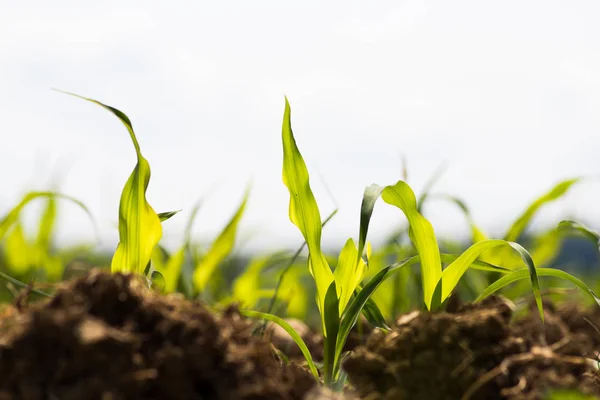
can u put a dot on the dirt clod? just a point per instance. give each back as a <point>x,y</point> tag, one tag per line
<point>106,336</point>
<point>475,352</point>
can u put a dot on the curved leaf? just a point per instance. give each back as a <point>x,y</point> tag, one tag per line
<point>452,274</point>
<point>9,219</point>
<point>303,208</point>
<point>139,225</point>
<point>591,234</point>
<point>288,328</point>
<point>521,223</point>
<point>524,273</point>
<point>421,234</point>
<point>352,312</point>
<point>220,248</point>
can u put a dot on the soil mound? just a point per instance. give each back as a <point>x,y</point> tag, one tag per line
<point>474,352</point>
<point>106,336</point>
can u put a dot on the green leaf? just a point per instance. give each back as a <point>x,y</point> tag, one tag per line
<point>421,234</point>
<point>452,274</point>
<point>167,215</point>
<point>303,209</point>
<point>17,251</point>
<point>139,225</point>
<point>373,314</point>
<point>524,273</point>
<point>348,273</point>
<point>46,226</point>
<point>352,312</point>
<point>521,223</point>
<point>170,269</point>
<point>220,248</point>
<point>370,196</point>
<point>332,325</point>
<point>288,328</point>
<point>568,394</point>
<point>9,219</point>
<point>246,286</point>
<point>566,226</point>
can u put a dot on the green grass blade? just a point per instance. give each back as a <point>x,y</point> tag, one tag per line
<point>370,196</point>
<point>166,215</point>
<point>421,233</point>
<point>13,215</point>
<point>452,274</point>
<point>139,225</point>
<point>46,226</point>
<point>555,193</point>
<point>169,267</point>
<point>374,315</point>
<point>348,273</point>
<point>18,254</point>
<point>288,328</point>
<point>246,286</point>
<point>355,307</point>
<point>524,273</point>
<point>332,325</point>
<point>220,248</point>
<point>303,209</point>
<point>566,226</point>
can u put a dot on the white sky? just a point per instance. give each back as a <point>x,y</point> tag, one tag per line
<point>507,93</point>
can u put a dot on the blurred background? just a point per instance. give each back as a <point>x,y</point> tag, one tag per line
<point>505,95</point>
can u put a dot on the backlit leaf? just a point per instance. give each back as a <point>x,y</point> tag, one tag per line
<point>303,209</point>
<point>421,234</point>
<point>220,249</point>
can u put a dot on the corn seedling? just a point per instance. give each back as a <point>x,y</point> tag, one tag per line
<point>340,295</point>
<point>140,226</point>
<point>23,255</point>
<point>220,249</point>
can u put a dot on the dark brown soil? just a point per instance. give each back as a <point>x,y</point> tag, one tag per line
<point>477,352</point>
<point>106,337</point>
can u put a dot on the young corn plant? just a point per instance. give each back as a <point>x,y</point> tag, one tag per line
<point>544,248</point>
<point>140,226</point>
<point>220,249</point>
<point>340,295</point>
<point>23,255</point>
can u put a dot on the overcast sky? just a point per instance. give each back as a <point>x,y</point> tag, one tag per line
<point>507,93</point>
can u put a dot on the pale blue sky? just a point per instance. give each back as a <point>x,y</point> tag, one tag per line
<point>507,93</point>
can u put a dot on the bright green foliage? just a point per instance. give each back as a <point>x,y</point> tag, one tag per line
<point>18,252</point>
<point>139,226</point>
<point>246,287</point>
<point>12,217</point>
<point>523,274</point>
<point>456,269</point>
<point>594,236</point>
<point>348,273</point>
<point>521,223</point>
<point>219,250</point>
<point>303,209</point>
<point>22,255</point>
<point>550,249</point>
<point>421,234</point>
<point>291,332</point>
<point>169,266</point>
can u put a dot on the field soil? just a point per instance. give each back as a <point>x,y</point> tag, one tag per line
<point>479,351</point>
<point>105,336</point>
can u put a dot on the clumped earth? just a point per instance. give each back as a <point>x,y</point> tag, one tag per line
<point>106,337</point>
<point>478,351</point>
